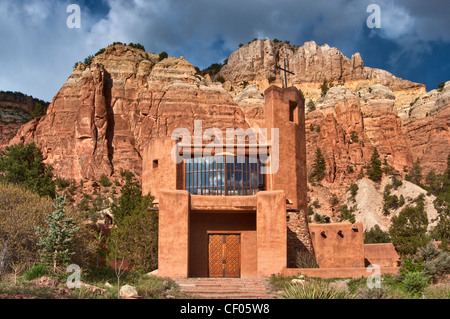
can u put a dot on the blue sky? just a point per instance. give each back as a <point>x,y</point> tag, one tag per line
<point>38,50</point>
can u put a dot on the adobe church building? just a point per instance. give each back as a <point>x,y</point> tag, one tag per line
<point>225,214</point>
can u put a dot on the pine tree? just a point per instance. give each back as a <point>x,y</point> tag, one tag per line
<point>374,170</point>
<point>415,175</point>
<point>56,241</point>
<point>319,166</point>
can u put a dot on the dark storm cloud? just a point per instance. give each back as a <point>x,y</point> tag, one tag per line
<point>37,50</point>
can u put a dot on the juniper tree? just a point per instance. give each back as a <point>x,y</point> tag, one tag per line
<point>374,169</point>
<point>415,174</point>
<point>319,166</point>
<point>56,241</point>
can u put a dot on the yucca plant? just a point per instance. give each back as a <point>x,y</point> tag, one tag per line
<point>313,290</point>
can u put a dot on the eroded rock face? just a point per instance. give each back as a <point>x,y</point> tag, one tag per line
<point>104,114</point>
<point>256,63</point>
<point>15,110</point>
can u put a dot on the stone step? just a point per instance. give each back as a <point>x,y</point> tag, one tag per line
<point>225,288</point>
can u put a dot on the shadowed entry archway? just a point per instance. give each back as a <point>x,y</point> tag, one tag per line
<point>224,255</point>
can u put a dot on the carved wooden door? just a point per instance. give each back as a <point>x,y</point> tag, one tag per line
<point>224,255</point>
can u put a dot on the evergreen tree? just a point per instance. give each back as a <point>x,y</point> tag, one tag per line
<point>319,166</point>
<point>408,229</point>
<point>374,169</point>
<point>56,241</point>
<point>375,236</point>
<point>415,175</point>
<point>23,165</point>
<point>130,201</point>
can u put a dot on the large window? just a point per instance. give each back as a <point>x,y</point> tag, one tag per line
<point>223,175</point>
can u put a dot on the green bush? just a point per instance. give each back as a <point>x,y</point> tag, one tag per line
<point>23,165</point>
<point>36,271</point>
<point>375,236</point>
<point>346,214</point>
<point>136,239</point>
<point>220,79</point>
<point>20,211</point>
<point>415,282</point>
<point>354,190</point>
<point>436,262</point>
<point>163,55</point>
<point>104,181</point>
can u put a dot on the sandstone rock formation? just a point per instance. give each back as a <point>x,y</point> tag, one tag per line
<point>256,62</point>
<point>15,110</point>
<point>105,113</point>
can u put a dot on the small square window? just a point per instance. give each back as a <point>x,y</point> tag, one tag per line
<point>155,163</point>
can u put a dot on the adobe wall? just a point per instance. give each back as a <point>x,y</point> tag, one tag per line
<point>338,251</point>
<point>158,170</point>
<point>292,175</point>
<point>173,237</point>
<point>383,255</point>
<point>202,224</point>
<point>271,232</point>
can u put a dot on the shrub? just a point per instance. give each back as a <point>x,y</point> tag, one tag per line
<point>441,86</point>
<point>23,165</point>
<point>163,55</point>
<point>324,87</point>
<point>313,289</point>
<point>136,239</point>
<point>130,201</point>
<point>436,262</point>
<point>220,79</point>
<point>415,282</point>
<point>88,60</point>
<point>354,190</point>
<point>37,271</point>
<point>375,235</point>
<point>305,259</point>
<point>136,46</point>
<point>408,229</point>
<point>104,181</point>
<point>20,211</point>
<point>62,183</point>
<point>316,204</point>
<point>354,136</point>
<point>100,51</point>
<point>346,214</point>
<point>311,106</point>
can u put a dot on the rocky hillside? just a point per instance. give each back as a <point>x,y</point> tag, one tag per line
<point>256,63</point>
<point>107,111</point>
<point>16,109</point>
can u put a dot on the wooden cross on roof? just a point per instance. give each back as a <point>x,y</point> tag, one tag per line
<point>285,70</point>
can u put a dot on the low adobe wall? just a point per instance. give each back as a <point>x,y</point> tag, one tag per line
<point>338,245</point>
<point>337,272</point>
